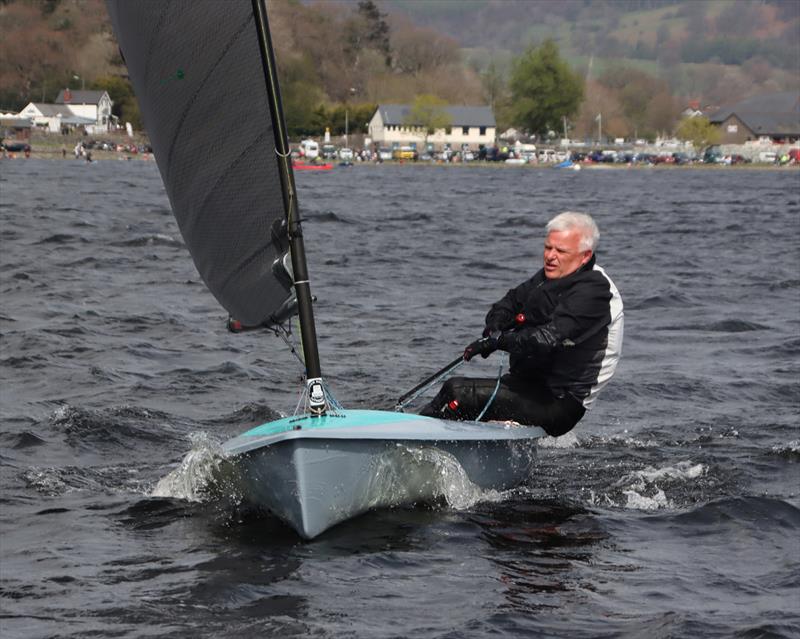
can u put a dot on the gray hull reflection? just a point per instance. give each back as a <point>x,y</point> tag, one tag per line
<point>314,479</point>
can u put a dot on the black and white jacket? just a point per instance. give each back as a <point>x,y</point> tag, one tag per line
<point>572,335</point>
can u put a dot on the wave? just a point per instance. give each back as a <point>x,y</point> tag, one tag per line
<point>483,267</point>
<point>248,416</point>
<point>25,439</point>
<point>668,300</point>
<point>53,482</point>
<point>155,239</point>
<point>762,513</point>
<point>114,429</point>
<point>790,451</point>
<point>325,216</point>
<point>723,326</point>
<point>62,238</point>
<point>783,284</point>
<point>25,361</point>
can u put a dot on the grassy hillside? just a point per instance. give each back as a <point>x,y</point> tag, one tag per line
<point>711,50</point>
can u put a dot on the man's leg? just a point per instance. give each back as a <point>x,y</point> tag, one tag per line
<point>460,398</point>
<point>463,398</point>
<point>533,404</point>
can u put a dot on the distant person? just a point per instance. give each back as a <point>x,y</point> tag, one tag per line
<point>563,331</point>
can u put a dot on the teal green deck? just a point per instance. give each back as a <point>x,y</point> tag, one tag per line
<point>346,418</point>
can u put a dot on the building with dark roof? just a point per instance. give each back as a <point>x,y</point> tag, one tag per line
<point>766,118</point>
<point>470,125</point>
<point>95,105</point>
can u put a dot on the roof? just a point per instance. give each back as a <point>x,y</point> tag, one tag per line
<point>396,114</point>
<point>77,119</point>
<point>79,97</point>
<point>52,110</point>
<point>775,113</point>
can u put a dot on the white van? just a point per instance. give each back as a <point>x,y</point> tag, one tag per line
<point>309,149</point>
<point>767,156</point>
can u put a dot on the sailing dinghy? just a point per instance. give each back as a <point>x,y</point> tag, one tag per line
<point>205,78</point>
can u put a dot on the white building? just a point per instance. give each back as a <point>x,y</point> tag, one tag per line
<point>469,125</point>
<point>95,105</point>
<point>54,117</point>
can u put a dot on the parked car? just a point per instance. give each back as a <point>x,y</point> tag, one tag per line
<point>346,154</point>
<point>385,153</point>
<point>404,153</point>
<point>17,147</point>
<point>328,152</point>
<point>712,157</point>
<point>309,149</point>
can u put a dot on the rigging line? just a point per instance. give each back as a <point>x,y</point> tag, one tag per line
<point>494,394</point>
<point>284,334</point>
<point>301,399</point>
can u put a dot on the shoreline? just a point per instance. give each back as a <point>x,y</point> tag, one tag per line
<point>108,156</point>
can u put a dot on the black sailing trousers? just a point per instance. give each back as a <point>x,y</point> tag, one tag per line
<point>529,404</point>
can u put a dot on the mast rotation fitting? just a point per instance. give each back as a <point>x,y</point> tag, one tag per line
<point>316,396</point>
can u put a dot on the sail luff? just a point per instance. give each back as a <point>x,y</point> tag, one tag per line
<point>302,286</point>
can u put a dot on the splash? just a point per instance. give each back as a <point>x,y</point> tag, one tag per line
<point>648,489</point>
<point>790,449</point>
<point>195,478</point>
<point>568,440</point>
<point>424,474</point>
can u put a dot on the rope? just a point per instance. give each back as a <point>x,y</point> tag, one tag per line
<point>281,331</point>
<point>494,394</point>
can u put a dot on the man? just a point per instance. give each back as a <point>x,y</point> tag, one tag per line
<point>563,331</point>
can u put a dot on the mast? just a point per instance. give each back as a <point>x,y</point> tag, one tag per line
<point>302,288</point>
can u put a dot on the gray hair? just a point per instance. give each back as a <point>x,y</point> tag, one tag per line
<point>571,220</point>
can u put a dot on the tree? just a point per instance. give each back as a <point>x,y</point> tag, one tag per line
<point>699,131</point>
<point>377,35</point>
<point>417,50</point>
<point>493,83</point>
<point>428,112</point>
<point>543,89</point>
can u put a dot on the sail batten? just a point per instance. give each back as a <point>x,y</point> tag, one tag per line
<point>196,69</point>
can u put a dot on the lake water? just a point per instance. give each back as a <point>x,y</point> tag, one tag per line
<point>672,510</point>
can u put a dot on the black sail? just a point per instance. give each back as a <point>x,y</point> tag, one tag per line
<point>196,68</point>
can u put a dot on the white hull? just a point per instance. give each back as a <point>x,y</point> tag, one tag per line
<point>315,473</point>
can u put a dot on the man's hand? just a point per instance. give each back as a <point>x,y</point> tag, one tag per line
<point>483,347</point>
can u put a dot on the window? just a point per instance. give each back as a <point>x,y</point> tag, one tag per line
<point>483,130</point>
<point>464,130</point>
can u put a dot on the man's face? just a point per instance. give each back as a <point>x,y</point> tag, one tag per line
<point>562,255</point>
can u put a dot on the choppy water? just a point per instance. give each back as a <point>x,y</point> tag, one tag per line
<point>673,509</point>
